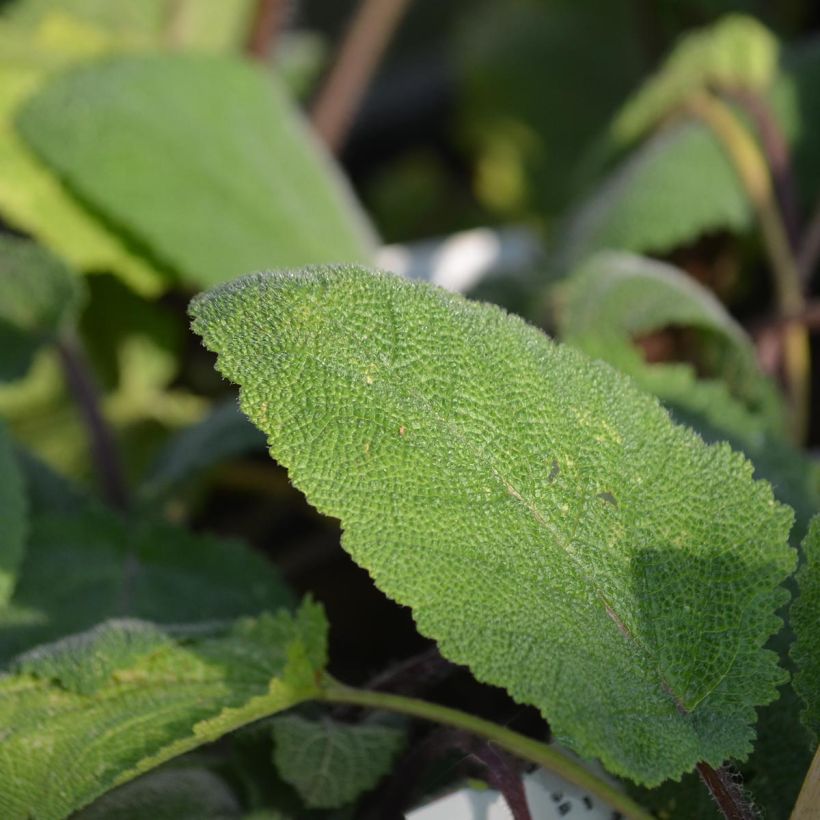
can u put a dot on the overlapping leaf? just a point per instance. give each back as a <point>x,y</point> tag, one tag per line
<point>736,52</point>
<point>84,566</point>
<point>39,297</point>
<point>127,134</point>
<point>330,763</point>
<point>69,737</point>
<point>32,198</point>
<point>546,522</point>
<point>223,433</point>
<point>676,186</point>
<point>616,297</point>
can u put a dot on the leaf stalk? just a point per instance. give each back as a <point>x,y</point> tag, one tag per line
<point>523,747</point>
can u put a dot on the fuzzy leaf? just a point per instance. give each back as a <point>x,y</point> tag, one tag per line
<point>676,186</point>
<point>127,134</point>
<point>39,297</point>
<point>805,620</point>
<point>329,763</point>
<point>109,567</point>
<point>546,522</point>
<point>736,52</point>
<point>13,517</point>
<point>31,197</point>
<point>62,747</point>
<point>223,433</point>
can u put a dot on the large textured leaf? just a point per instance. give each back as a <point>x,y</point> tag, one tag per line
<point>735,52</point>
<point>805,620</point>
<point>86,566</point>
<point>330,763</point>
<point>13,517</point>
<point>676,186</point>
<point>39,297</point>
<point>128,135</point>
<point>97,709</point>
<point>546,522</point>
<point>31,197</point>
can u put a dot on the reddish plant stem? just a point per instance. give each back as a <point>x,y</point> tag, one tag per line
<point>268,18</point>
<point>727,794</point>
<point>83,388</point>
<point>362,48</point>
<point>809,251</point>
<point>778,158</point>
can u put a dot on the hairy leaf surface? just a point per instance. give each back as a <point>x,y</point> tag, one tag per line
<point>330,763</point>
<point>546,522</point>
<point>39,297</point>
<point>127,134</point>
<point>13,517</point>
<point>83,567</point>
<point>676,186</point>
<point>67,737</point>
<point>805,620</point>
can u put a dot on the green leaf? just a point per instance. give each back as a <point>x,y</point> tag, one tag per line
<point>676,186</point>
<point>330,763</point>
<point>39,297</point>
<point>805,620</point>
<point>615,298</point>
<point>62,747</point>
<point>167,794</point>
<point>222,434</point>
<point>546,522</point>
<point>33,199</point>
<point>110,567</point>
<point>127,135</point>
<point>735,52</point>
<point>13,517</point>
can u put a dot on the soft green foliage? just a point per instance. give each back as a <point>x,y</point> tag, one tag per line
<point>39,298</point>
<point>805,620</point>
<point>31,197</point>
<point>153,705</point>
<point>331,763</point>
<point>127,133</point>
<point>676,186</point>
<point>109,567</point>
<point>736,52</point>
<point>203,24</point>
<point>546,522</point>
<point>13,517</point>
<point>615,298</point>
<point>167,794</point>
<point>223,433</point>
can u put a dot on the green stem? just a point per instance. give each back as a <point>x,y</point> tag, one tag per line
<point>808,801</point>
<point>523,747</point>
<point>754,175</point>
